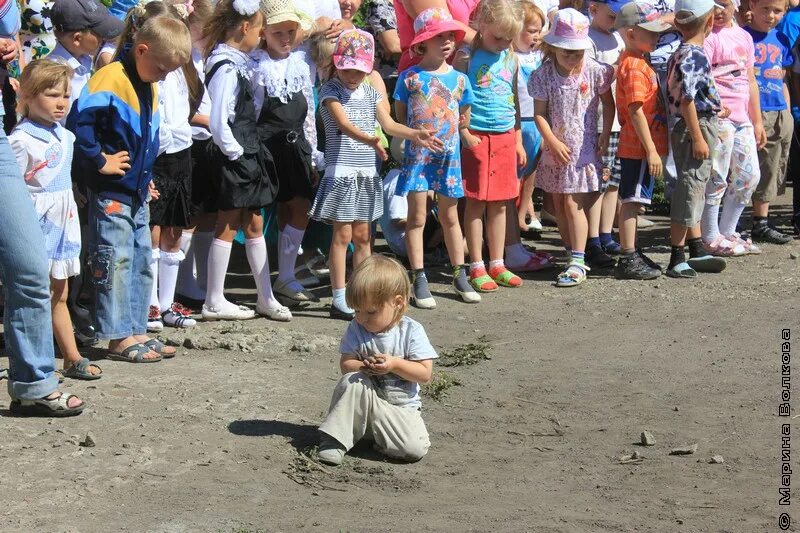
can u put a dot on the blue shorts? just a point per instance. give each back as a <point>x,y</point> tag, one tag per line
<point>532,142</point>
<point>636,184</point>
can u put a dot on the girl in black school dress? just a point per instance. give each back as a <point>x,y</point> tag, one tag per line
<point>244,168</point>
<point>281,78</point>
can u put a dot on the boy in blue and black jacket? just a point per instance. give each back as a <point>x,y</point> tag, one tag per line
<point>115,121</point>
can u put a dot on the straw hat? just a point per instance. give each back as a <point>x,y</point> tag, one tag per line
<point>277,11</point>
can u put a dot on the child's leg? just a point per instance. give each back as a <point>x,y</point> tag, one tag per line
<point>62,326</point>
<point>715,188</point>
<point>496,218</point>
<point>187,285</point>
<point>473,227</point>
<point>454,241</point>
<point>575,212</point>
<point>337,261</point>
<point>525,207</point>
<point>357,408</point>
<point>293,216</point>
<point>256,249</point>
<point>114,262</point>
<point>745,175</point>
<point>219,256</point>
<point>169,265</point>
<point>629,212</point>
<point>562,221</point>
<point>155,256</point>
<point>202,239</point>
<point>608,213</point>
<point>361,241</point>
<point>415,225</point>
<point>141,276</point>
<point>772,158</point>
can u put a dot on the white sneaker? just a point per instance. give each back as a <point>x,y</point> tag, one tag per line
<point>535,224</point>
<point>331,452</point>
<point>233,312</point>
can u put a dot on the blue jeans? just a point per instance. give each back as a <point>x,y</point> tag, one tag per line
<point>25,272</point>
<point>120,250</point>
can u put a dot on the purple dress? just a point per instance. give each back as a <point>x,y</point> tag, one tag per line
<point>572,112</point>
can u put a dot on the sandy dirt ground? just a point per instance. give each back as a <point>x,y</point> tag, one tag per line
<point>528,438</point>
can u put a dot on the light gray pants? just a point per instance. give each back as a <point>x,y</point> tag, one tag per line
<point>357,411</point>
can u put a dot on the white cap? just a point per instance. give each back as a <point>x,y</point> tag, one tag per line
<point>693,9</point>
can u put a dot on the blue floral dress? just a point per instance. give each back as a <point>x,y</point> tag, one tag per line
<point>433,101</point>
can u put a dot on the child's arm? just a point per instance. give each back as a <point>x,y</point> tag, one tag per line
<point>700,148</point>
<point>609,110</point>
<point>755,109</point>
<point>223,89</point>
<point>522,155</point>
<point>88,146</point>
<point>350,363</point>
<point>424,138</point>
<point>345,126</point>
<point>559,149</point>
<point>642,128</point>
<point>199,120</point>
<point>410,370</point>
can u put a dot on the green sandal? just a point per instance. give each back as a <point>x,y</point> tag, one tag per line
<point>574,275</point>
<point>483,283</point>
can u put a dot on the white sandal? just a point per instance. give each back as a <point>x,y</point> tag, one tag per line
<point>236,312</point>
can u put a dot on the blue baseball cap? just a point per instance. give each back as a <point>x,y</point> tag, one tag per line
<point>613,5</point>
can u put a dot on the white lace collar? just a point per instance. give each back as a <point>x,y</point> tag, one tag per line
<point>281,78</point>
<point>242,63</point>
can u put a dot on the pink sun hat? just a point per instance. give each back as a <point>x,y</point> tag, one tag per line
<point>434,21</point>
<point>355,49</point>
<point>570,30</point>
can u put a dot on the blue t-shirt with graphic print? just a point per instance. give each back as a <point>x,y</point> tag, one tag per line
<point>773,54</point>
<point>689,78</point>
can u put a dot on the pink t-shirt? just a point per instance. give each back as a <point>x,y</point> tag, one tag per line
<point>459,9</point>
<point>731,53</point>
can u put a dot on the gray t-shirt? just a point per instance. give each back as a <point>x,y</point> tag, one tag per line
<point>407,340</point>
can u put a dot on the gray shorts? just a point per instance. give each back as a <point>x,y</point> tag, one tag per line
<point>774,157</point>
<point>688,197</point>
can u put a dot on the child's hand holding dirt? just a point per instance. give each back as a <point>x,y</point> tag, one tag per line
<point>379,364</point>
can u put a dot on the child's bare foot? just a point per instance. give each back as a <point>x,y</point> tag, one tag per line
<point>77,367</point>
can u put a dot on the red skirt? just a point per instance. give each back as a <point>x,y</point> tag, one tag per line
<point>489,169</point>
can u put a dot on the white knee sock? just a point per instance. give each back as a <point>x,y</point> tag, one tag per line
<point>256,250</point>
<point>731,212</point>
<point>218,258</point>
<point>710,222</point>
<point>339,300</point>
<point>201,242</point>
<point>168,277</point>
<point>187,283</point>
<point>154,257</point>
<point>288,247</point>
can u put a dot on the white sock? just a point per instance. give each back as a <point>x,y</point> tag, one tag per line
<point>259,265</point>
<point>187,283</point>
<point>731,212</point>
<point>516,254</point>
<point>339,301</point>
<point>154,257</point>
<point>288,247</point>
<point>168,277</point>
<point>709,224</point>
<point>495,263</point>
<point>201,242</point>
<point>218,258</point>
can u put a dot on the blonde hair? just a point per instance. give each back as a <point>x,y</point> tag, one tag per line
<point>137,17</point>
<point>321,50</point>
<point>223,20</point>
<point>168,38</point>
<point>377,281</point>
<point>531,11</point>
<point>505,15</point>
<point>38,76</point>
